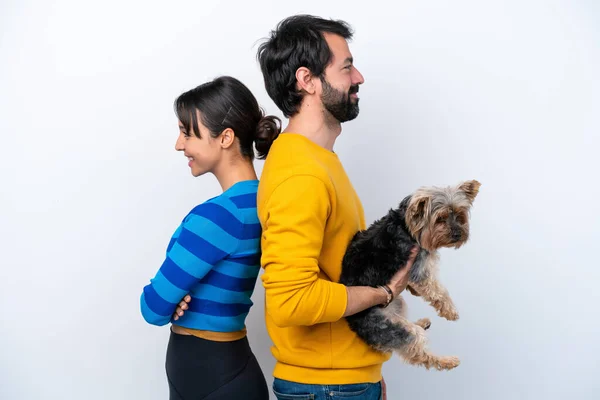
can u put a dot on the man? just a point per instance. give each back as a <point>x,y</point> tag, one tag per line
<point>309,211</point>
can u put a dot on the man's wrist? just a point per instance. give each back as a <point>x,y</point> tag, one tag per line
<point>389,295</point>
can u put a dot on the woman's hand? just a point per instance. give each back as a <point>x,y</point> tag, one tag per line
<point>181,307</point>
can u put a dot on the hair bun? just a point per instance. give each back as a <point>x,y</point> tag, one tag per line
<point>267,130</point>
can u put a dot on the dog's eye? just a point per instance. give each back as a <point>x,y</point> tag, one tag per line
<point>439,220</point>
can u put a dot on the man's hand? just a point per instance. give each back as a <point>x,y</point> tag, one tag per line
<point>383,389</point>
<point>183,305</point>
<point>362,297</point>
<point>400,279</point>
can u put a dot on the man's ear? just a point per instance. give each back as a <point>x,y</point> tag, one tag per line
<point>305,81</point>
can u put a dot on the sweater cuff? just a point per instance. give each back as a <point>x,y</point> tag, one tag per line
<point>338,301</point>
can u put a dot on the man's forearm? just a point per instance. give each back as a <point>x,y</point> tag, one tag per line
<point>362,297</point>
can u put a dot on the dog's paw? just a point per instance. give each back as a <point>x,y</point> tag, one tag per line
<point>424,323</point>
<point>450,313</point>
<point>447,363</point>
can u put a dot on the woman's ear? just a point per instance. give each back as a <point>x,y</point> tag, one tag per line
<point>226,138</point>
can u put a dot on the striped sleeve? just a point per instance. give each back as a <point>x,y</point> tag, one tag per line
<point>208,234</point>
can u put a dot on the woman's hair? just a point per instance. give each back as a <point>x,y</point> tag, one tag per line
<point>225,102</point>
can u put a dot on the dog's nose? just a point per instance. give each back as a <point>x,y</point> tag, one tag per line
<point>456,236</point>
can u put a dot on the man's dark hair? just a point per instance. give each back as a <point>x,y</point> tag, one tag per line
<point>296,42</point>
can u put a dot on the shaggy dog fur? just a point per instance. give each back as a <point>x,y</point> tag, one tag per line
<point>431,218</point>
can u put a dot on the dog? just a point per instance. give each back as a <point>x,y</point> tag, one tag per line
<point>431,218</point>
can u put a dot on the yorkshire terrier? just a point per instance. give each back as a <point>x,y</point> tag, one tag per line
<point>431,218</point>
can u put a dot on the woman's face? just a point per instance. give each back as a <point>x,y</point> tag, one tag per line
<point>203,153</point>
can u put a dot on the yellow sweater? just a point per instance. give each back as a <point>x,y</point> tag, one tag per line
<point>309,211</point>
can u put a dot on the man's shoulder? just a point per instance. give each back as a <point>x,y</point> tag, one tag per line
<point>299,173</point>
<point>291,167</point>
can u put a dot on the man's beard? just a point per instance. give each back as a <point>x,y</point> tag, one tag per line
<point>339,104</point>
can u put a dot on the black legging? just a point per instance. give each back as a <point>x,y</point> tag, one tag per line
<point>204,369</point>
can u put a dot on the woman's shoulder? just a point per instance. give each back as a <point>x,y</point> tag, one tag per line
<point>229,210</point>
<point>242,195</point>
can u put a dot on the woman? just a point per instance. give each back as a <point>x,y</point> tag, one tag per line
<point>213,258</point>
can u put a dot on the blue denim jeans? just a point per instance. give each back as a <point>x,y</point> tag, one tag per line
<point>286,390</point>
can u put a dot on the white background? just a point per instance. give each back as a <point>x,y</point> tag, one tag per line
<point>506,92</point>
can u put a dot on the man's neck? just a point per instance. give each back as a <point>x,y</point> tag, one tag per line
<point>313,124</point>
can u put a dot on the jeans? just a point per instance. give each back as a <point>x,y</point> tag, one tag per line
<point>286,390</point>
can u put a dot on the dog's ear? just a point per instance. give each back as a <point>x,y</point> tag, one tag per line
<point>416,214</point>
<point>470,188</point>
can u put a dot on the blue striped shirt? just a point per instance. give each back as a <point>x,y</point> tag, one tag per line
<point>214,255</point>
